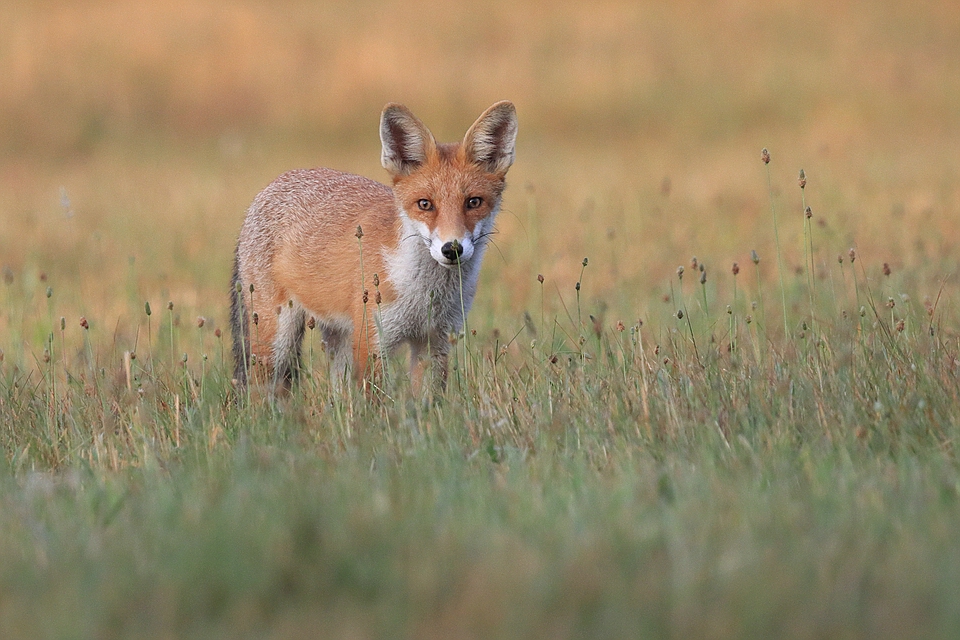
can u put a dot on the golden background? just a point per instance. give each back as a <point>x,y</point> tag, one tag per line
<point>133,135</point>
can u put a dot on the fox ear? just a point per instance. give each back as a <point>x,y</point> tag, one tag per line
<point>406,141</point>
<point>491,140</point>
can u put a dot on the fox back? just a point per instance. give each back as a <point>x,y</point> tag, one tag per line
<point>372,266</point>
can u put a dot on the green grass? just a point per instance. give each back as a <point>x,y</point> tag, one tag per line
<point>659,480</point>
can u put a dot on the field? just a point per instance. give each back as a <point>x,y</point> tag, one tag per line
<point>760,444</point>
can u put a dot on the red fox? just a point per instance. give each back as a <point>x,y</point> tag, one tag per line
<point>374,267</point>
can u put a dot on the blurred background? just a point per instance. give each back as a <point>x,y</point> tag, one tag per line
<point>133,135</point>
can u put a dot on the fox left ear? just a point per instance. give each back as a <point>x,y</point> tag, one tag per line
<point>491,140</point>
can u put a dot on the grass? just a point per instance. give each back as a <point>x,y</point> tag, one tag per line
<point>603,485</point>
<point>775,460</point>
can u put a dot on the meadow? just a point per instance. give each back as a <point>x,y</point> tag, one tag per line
<point>683,406</point>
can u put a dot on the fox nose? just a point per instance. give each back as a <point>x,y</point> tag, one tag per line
<point>452,250</point>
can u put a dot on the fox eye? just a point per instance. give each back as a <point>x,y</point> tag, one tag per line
<point>474,202</point>
<point>424,205</point>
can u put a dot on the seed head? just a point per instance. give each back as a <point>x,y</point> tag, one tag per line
<point>680,272</point>
<point>802,180</point>
<point>540,278</point>
<point>376,280</point>
<point>183,358</point>
<point>703,276</point>
<point>84,323</point>
<point>840,258</point>
<point>359,232</point>
<point>585,262</point>
<point>256,318</point>
<point>886,269</point>
<point>749,318</point>
<point>863,311</point>
<point>765,155</point>
<point>217,333</point>
<point>735,269</point>
<point>891,303</point>
<point>252,288</point>
<point>679,314</point>
<point>366,296</point>
<point>620,326</point>
<point>693,263</point>
<point>238,287</point>
<point>201,321</point>
<point>808,213</point>
<point>729,310</point>
<point>133,355</point>
<point>63,323</point>
<point>900,325</point>
<point>754,258</point>
<point>170,306</point>
<point>46,355</point>
<point>49,292</point>
<point>377,297</point>
<point>853,255</point>
<point>578,286</point>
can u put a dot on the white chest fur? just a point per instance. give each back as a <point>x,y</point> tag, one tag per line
<point>431,299</point>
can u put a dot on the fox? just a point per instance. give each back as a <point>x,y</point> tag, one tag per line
<point>372,266</point>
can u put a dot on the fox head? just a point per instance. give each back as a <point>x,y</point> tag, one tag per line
<point>449,193</point>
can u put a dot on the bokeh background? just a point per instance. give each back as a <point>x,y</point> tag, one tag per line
<point>133,135</point>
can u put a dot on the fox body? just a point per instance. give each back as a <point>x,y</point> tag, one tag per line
<point>373,266</point>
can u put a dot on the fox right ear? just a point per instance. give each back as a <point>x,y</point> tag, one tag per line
<point>406,141</point>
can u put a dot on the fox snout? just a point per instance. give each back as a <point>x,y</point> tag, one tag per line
<point>446,250</point>
<point>452,252</point>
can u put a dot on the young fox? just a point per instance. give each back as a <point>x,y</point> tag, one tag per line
<point>373,266</point>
